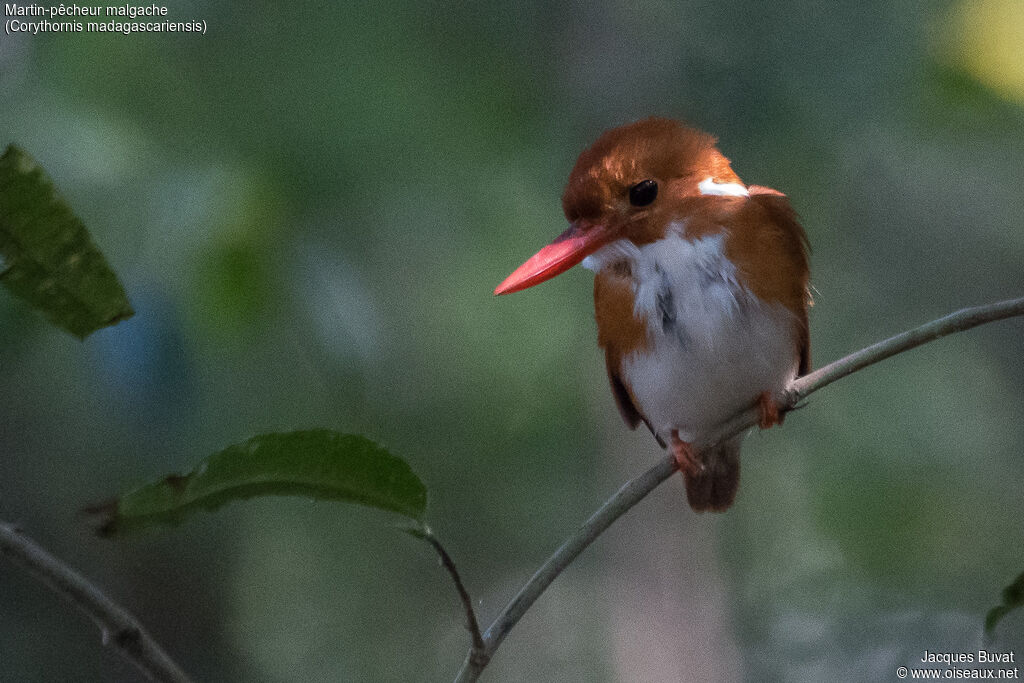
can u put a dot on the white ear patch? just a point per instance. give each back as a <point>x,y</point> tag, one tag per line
<point>708,186</point>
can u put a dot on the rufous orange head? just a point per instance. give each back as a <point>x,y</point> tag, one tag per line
<point>628,184</point>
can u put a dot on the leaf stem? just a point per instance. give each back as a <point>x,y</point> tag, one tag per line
<point>636,489</point>
<point>118,627</point>
<point>472,625</point>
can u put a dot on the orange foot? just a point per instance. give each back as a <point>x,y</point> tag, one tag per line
<point>768,411</point>
<point>685,456</point>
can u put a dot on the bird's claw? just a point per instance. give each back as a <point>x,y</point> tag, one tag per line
<point>685,456</point>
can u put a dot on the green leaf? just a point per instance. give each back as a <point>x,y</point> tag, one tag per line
<point>317,463</point>
<point>1013,597</point>
<point>46,255</point>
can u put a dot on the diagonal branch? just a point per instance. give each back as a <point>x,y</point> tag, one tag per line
<point>636,489</point>
<point>959,321</point>
<point>119,628</point>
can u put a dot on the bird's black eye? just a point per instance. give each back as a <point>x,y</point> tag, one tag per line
<point>643,193</point>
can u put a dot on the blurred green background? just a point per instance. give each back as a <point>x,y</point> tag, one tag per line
<point>310,206</point>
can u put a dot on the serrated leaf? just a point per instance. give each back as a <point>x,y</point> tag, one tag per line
<point>1013,597</point>
<point>46,255</point>
<point>318,464</point>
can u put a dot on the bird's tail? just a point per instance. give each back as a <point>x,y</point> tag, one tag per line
<point>714,488</point>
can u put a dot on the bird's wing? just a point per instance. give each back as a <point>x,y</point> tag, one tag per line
<point>623,401</point>
<point>794,247</point>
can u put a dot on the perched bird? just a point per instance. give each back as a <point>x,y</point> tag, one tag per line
<point>700,293</point>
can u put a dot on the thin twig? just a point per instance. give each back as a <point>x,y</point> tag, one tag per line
<point>472,625</point>
<point>119,628</point>
<point>636,489</point>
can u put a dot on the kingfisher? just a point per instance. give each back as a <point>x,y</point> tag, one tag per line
<point>700,290</point>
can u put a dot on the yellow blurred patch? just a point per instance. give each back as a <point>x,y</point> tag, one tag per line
<point>989,43</point>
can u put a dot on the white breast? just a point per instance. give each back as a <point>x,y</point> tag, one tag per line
<point>714,345</point>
